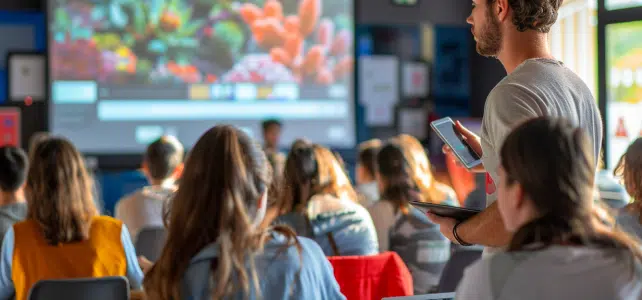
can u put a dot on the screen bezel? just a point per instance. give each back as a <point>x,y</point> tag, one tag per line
<point>128,161</point>
<point>435,124</point>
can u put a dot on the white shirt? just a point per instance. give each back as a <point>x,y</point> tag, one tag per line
<point>144,208</point>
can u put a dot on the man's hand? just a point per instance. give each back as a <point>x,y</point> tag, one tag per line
<point>472,140</point>
<point>446,225</point>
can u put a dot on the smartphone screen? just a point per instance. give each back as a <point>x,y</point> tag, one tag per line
<point>447,131</point>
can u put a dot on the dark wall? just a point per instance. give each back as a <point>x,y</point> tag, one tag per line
<point>21,4</point>
<point>485,73</point>
<point>431,11</point>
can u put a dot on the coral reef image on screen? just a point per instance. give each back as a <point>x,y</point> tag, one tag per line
<point>202,41</point>
<point>624,81</point>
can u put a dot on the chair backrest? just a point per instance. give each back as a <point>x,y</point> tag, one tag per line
<point>150,242</point>
<point>455,267</point>
<point>103,288</point>
<point>372,277</point>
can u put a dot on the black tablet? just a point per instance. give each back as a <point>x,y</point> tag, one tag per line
<point>458,213</point>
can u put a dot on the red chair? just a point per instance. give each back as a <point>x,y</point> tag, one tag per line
<point>372,277</point>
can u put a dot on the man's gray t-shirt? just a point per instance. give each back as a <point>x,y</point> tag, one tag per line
<point>11,214</point>
<point>537,88</point>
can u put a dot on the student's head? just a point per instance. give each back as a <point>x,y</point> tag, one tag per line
<point>491,20</point>
<point>420,168</point>
<point>546,197</point>
<point>367,161</point>
<point>312,170</point>
<point>393,176</point>
<point>629,168</point>
<point>59,192</point>
<point>221,198</point>
<point>36,139</point>
<point>163,159</point>
<point>271,133</point>
<point>13,169</point>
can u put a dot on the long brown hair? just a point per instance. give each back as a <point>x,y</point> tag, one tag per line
<point>629,168</point>
<point>225,175</point>
<point>420,168</point>
<point>394,171</point>
<point>310,170</point>
<point>559,183</point>
<point>60,192</point>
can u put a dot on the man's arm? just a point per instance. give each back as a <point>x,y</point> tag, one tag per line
<point>486,228</point>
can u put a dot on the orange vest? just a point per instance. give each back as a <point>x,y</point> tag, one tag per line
<point>101,255</point>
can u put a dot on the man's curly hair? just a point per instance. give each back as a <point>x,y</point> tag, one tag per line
<point>537,15</point>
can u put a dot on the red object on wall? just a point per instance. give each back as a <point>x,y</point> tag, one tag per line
<point>10,130</point>
<point>621,131</point>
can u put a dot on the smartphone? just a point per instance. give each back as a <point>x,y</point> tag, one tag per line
<point>445,129</point>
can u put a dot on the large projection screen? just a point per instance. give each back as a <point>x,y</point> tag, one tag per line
<point>624,87</point>
<point>123,72</point>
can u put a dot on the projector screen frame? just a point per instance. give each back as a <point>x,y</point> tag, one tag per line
<point>113,162</point>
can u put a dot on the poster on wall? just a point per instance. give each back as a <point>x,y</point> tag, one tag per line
<point>620,4</point>
<point>10,130</point>
<point>624,87</point>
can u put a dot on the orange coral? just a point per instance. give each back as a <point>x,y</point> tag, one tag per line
<point>309,13</point>
<point>284,37</point>
<point>170,21</point>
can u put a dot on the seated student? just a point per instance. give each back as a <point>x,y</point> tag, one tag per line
<point>630,170</point>
<point>215,248</point>
<point>421,172</point>
<point>365,172</point>
<point>162,165</point>
<point>608,189</point>
<point>560,249</point>
<point>63,235</point>
<point>403,228</point>
<point>13,173</point>
<point>318,202</point>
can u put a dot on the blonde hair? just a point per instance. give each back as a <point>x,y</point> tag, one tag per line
<point>225,175</point>
<point>316,167</point>
<point>60,192</point>
<point>420,169</point>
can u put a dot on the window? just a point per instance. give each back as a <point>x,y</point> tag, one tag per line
<point>573,39</point>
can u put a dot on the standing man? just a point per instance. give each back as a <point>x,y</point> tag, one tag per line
<point>271,136</point>
<point>515,32</point>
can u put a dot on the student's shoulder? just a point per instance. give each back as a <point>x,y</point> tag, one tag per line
<point>129,198</point>
<point>107,223</point>
<point>291,251</point>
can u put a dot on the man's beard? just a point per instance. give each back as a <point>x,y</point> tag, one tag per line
<point>489,41</point>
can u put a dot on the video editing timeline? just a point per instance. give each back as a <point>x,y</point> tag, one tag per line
<point>88,91</point>
<point>199,101</point>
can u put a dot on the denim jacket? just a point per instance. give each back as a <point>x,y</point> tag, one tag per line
<point>336,222</point>
<point>284,273</point>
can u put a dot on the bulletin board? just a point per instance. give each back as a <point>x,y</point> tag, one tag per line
<point>20,31</point>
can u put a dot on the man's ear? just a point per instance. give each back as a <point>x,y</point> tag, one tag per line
<point>501,9</point>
